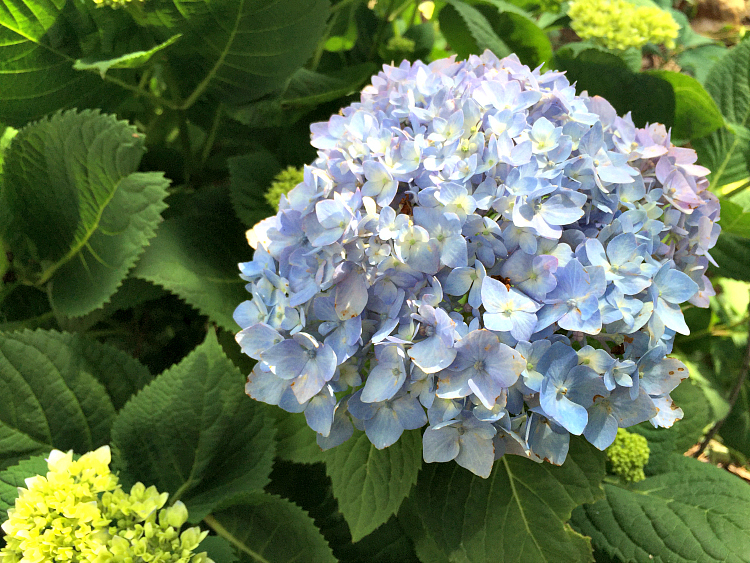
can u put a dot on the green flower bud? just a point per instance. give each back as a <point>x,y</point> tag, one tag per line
<point>282,184</point>
<point>628,455</point>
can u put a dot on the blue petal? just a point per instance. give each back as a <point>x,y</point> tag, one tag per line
<point>383,429</point>
<point>440,445</point>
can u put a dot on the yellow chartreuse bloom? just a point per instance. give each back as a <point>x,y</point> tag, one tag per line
<point>628,455</point>
<point>282,184</point>
<point>115,3</point>
<point>78,512</point>
<point>618,24</point>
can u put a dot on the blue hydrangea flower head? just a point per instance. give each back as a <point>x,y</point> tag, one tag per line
<point>480,252</point>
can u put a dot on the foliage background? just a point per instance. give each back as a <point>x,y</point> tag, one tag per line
<point>122,222</point>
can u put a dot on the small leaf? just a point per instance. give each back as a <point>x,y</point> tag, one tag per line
<point>14,477</point>
<point>696,114</point>
<point>50,398</point>
<point>193,433</point>
<point>97,213</point>
<point>519,513</point>
<point>370,484</point>
<point>693,512</point>
<point>270,529</point>
<point>468,32</point>
<point>136,59</point>
<point>195,257</point>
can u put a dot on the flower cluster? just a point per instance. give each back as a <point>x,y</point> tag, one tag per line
<point>628,455</point>
<point>78,512</point>
<point>480,251</point>
<point>619,24</point>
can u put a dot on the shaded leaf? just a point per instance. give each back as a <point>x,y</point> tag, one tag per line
<point>50,398</point>
<point>271,529</point>
<point>519,513</point>
<point>97,213</point>
<point>218,549</point>
<point>370,484</point>
<point>649,98</point>
<point>693,512</point>
<point>696,114</point>
<point>251,175</point>
<point>14,477</point>
<point>296,441</point>
<point>727,151</point>
<point>195,257</point>
<point>193,433</point>
<point>242,50</point>
<point>468,32</point>
<point>135,59</point>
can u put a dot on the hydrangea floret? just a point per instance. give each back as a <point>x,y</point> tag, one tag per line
<point>620,25</point>
<point>628,455</point>
<point>480,251</point>
<point>78,512</point>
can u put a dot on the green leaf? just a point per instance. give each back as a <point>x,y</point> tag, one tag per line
<point>97,213</point>
<point>136,59</point>
<point>649,98</point>
<point>370,484</point>
<point>519,513</point>
<point>193,433</point>
<point>195,257</point>
<point>468,32</point>
<point>50,397</point>
<point>692,397</point>
<point>239,50</point>
<point>308,88</point>
<point>218,549</point>
<point>251,175</point>
<point>36,67</point>
<point>699,60</point>
<point>268,529</point>
<point>732,254</point>
<point>696,114</point>
<point>295,440</point>
<point>727,151</point>
<point>694,512</point>
<point>14,477</point>
<point>518,31</point>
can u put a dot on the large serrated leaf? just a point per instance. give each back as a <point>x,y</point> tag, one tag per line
<point>239,50</point>
<point>270,529</point>
<point>519,513</point>
<point>193,432</point>
<point>135,59</point>
<point>49,397</point>
<point>727,151</point>
<point>14,477</point>
<point>79,210</point>
<point>36,69</point>
<point>693,512</point>
<point>370,484</point>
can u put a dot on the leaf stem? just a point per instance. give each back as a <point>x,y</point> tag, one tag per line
<point>733,396</point>
<point>214,524</point>
<point>209,143</point>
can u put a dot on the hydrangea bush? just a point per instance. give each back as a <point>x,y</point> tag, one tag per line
<point>479,251</point>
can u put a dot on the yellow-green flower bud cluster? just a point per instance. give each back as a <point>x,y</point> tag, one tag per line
<point>78,512</point>
<point>627,456</point>
<point>282,184</point>
<point>114,3</point>
<point>618,24</point>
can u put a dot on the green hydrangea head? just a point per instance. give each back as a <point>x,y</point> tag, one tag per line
<point>78,512</point>
<point>282,184</point>
<point>628,455</point>
<point>618,24</point>
<point>114,3</point>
